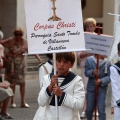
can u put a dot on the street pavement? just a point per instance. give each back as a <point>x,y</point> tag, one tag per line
<point>32,90</point>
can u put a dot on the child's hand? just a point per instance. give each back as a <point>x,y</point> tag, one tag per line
<point>95,72</point>
<point>57,91</point>
<point>112,110</point>
<point>98,82</point>
<point>54,81</point>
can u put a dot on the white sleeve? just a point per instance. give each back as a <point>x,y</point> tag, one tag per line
<point>112,100</point>
<point>115,83</point>
<point>41,74</point>
<point>43,97</point>
<point>1,51</point>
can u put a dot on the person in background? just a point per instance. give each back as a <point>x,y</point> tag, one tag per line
<point>70,92</point>
<point>90,26</point>
<point>44,68</point>
<point>5,91</point>
<point>101,83</point>
<point>1,34</point>
<point>115,83</point>
<point>15,47</point>
<point>5,94</point>
<point>1,61</point>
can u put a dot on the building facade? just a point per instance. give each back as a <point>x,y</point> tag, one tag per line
<point>12,14</point>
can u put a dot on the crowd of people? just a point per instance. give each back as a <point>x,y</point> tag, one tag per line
<point>5,90</point>
<point>12,58</point>
<point>87,92</point>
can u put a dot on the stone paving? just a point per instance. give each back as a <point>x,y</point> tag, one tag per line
<point>32,90</point>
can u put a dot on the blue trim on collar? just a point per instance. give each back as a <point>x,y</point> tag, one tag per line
<point>50,62</point>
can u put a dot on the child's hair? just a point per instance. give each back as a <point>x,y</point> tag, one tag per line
<point>90,20</point>
<point>50,56</point>
<point>118,46</point>
<point>68,56</point>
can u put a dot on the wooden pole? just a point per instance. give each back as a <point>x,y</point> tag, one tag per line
<point>96,87</point>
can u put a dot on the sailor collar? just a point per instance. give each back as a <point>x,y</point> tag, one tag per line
<point>50,62</point>
<point>117,66</point>
<point>95,60</point>
<point>68,79</point>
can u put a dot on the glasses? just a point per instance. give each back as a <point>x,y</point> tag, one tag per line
<point>18,34</point>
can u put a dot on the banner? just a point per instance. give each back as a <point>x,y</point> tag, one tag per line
<point>99,44</point>
<point>54,26</point>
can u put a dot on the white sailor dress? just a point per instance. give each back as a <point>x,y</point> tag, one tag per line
<point>69,103</point>
<point>115,83</point>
